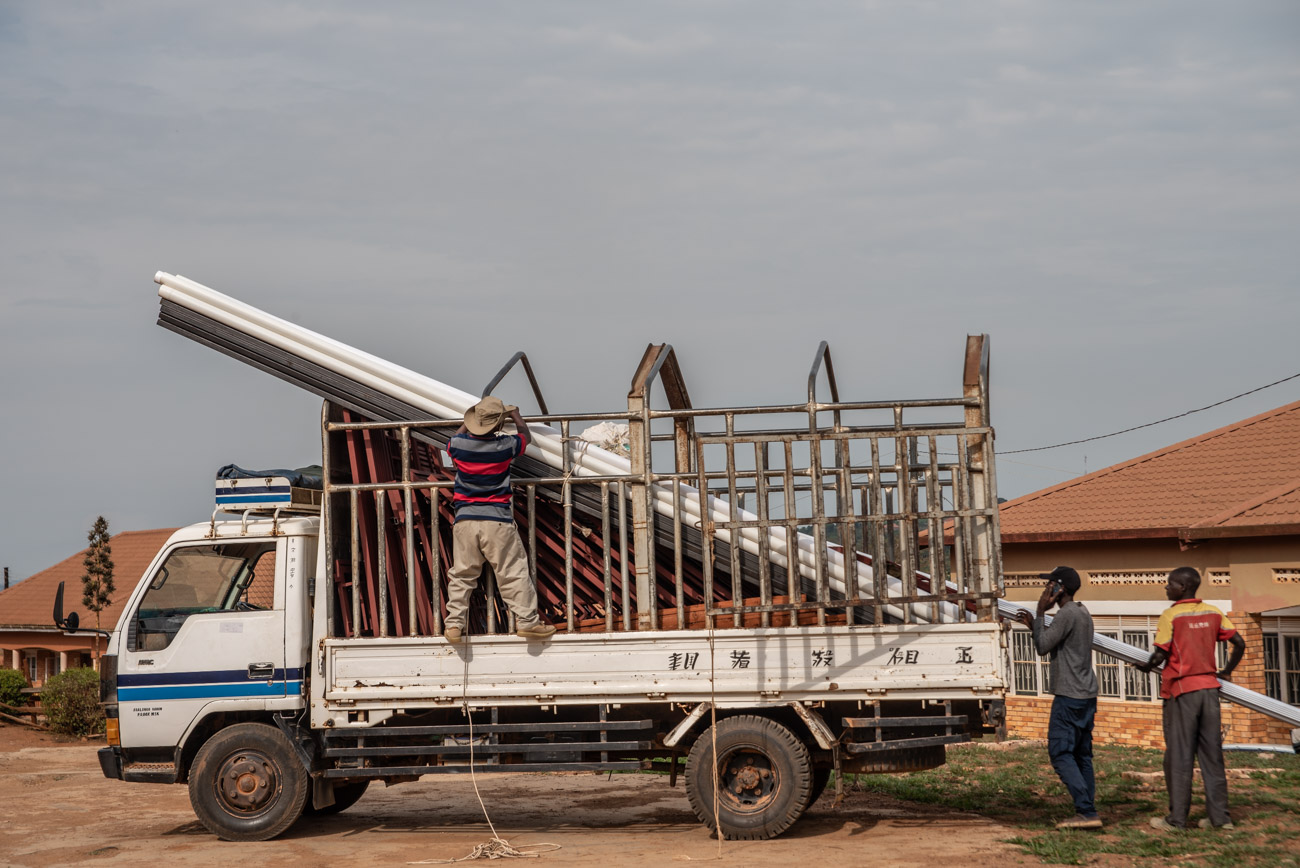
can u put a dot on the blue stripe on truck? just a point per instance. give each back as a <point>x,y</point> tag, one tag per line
<point>209,691</point>
<point>253,498</point>
<point>212,676</point>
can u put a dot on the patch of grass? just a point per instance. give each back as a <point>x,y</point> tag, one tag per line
<point>1017,786</point>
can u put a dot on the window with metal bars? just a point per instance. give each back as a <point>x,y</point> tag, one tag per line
<point>1107,669</point>
<point>1024,663</point>
<point>1272,667</point>
<point>1282,667</point>
<point>1137,684</point>
<point>1292,645</point>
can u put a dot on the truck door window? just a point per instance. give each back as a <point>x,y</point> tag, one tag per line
<point>197,580</point>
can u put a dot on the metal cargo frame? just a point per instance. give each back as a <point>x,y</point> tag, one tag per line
<point>882,474</point>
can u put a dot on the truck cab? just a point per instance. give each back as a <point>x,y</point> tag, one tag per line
<point>216,631</point>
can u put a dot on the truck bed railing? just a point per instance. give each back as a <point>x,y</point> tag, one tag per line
<point>860,471</point>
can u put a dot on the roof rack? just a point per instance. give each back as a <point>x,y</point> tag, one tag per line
<point>263,497</point>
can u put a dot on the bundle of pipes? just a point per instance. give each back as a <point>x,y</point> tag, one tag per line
<point>851,576</point>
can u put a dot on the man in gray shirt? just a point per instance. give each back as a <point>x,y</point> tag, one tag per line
<point>1068,643</point>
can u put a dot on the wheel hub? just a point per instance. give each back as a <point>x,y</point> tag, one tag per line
<point>747,781</point>
<point>248,782</point>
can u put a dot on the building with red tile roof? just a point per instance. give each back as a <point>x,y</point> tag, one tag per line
<point>1227,503</point>
<point>31,643</point>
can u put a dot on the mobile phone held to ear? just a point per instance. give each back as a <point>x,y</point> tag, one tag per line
<point>1053,590</point>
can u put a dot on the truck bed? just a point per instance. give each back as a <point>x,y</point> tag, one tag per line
<point>735,668</point>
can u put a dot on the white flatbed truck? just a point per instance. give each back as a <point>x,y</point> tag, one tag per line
<point>280,659</point>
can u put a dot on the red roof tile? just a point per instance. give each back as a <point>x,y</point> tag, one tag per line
<point>1244,475</point>
<point>31,602</point>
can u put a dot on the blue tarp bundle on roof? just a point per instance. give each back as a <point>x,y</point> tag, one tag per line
<point>303,477</point>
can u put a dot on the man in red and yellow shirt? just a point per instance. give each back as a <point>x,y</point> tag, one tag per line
<point>1186,639</point>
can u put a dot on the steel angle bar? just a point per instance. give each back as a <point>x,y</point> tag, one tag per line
<point>897,722</point>
<point>901,743</point>
<point>464,768</point>
<point>484,749</point>
<point>484,728</point>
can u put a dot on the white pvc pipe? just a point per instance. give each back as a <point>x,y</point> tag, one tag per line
<point>447,402</point>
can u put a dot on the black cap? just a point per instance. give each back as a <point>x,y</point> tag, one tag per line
<point>1066,577</point>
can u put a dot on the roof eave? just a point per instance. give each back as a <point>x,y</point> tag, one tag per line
<point>1094,534</point>
<point>39,628</point>
<point>1231,531</point>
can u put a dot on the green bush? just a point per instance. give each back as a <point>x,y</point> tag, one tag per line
<point>71,702</point>
<point>12,683</point>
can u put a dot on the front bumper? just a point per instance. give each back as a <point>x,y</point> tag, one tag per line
<point>110,760</point>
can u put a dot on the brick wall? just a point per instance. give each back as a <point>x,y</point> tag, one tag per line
<point>1130,723</point>
<point>1138,723</point>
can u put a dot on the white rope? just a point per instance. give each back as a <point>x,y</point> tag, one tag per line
<point>713,711</point>
<point>497,847</point>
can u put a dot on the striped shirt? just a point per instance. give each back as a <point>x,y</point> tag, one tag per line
<point>483,474</point>
<point>1188,632</point>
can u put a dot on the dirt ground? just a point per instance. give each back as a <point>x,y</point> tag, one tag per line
<point>56,808</point>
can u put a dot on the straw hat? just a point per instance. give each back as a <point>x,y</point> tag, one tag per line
<point>486,416</point>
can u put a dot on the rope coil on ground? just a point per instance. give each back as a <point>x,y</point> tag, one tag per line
<point>497,848</point>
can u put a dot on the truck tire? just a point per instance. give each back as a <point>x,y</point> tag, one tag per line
<point>345,796</point>
<point>764,778</point>
<point>247,784</point>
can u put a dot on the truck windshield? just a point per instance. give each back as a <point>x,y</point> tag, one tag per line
<point>196,580</point>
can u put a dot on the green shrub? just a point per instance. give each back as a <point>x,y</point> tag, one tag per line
<point>12,683</point>
<point>71,702</point>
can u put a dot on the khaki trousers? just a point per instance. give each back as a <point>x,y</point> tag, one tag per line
<point>475,541</point>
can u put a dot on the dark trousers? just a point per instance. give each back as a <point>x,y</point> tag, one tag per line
<point>1192,731</point>
<point>1069,744</point>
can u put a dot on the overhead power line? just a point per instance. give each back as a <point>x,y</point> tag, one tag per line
<point>1149,424</point>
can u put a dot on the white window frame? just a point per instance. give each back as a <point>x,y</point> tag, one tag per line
<point>1282,678</point>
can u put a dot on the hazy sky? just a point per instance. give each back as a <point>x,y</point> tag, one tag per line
<point>1108,189</point>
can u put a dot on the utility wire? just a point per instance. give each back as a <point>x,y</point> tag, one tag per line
<point>1149,424</point>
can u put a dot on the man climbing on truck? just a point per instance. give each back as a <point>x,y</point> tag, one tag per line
<point>484,528</point>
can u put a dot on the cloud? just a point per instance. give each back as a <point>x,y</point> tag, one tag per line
<point>445,184</point>
<point>679,41</point>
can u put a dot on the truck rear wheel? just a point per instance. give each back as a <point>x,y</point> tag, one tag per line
<point>247,784</point>
<point>764,778</point>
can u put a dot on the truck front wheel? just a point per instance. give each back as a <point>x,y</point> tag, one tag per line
<point>764,778</point>
<point>247,784</point>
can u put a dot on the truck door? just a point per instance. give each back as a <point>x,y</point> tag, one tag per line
<point>209,627</point>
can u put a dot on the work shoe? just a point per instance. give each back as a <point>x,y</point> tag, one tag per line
<point>1079,821</point>
<point>1164,825</point>
<point>540,630</point>
<point>452,635</point>
<point>1204,823</point>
